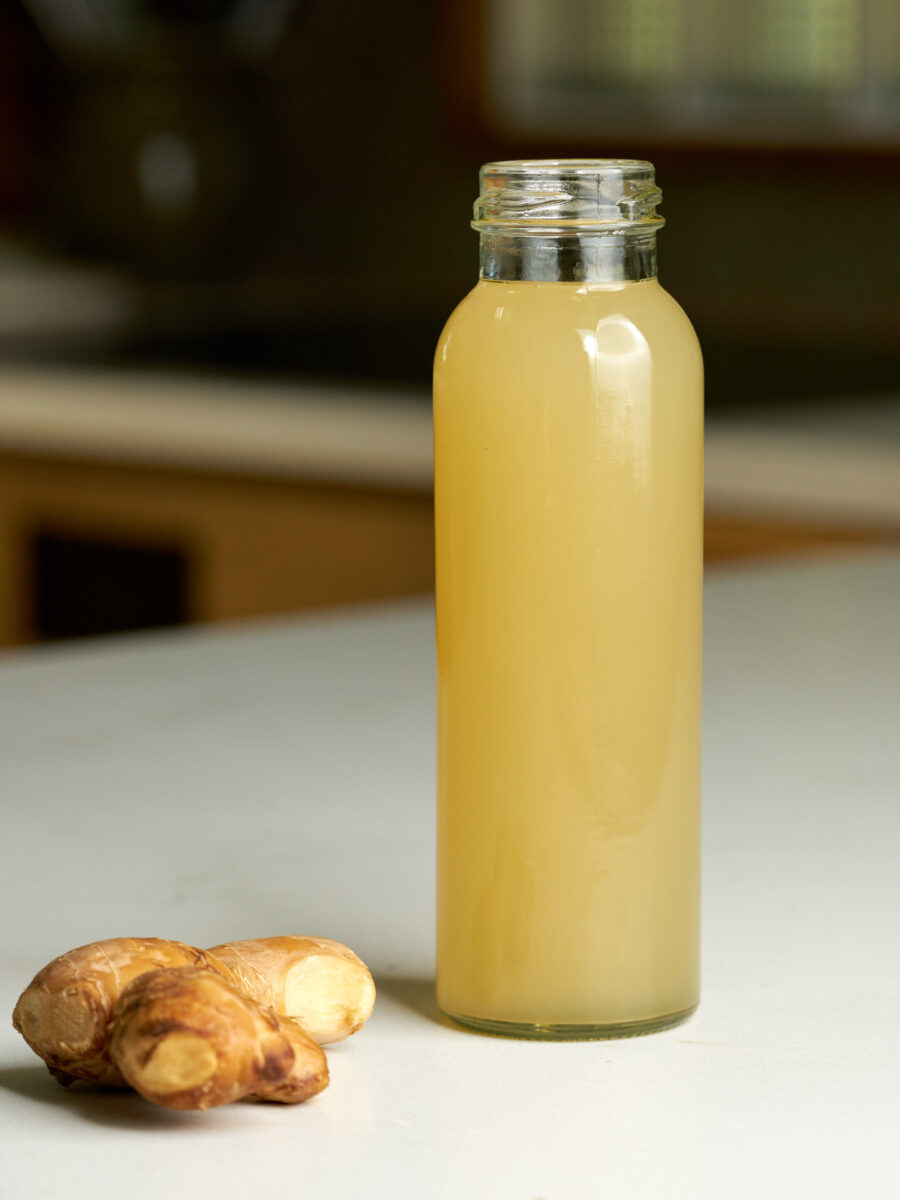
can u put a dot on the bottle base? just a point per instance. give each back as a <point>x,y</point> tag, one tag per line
<point>571,1033</point>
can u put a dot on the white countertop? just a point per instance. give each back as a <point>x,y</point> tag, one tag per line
<point>278,778</point>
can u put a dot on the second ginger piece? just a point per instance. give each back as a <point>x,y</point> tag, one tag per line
<point>186,1038</point>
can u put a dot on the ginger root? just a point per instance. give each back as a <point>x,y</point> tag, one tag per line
<point>186,1038</point>
<point>322,984</point>
<point>65,1011</point>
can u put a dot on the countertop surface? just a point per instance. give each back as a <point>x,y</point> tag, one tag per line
<point>278,777</point>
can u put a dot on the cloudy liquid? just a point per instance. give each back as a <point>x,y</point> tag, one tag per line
<point>568,494</point>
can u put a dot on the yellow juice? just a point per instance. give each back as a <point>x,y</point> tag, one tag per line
<point>568,494</point>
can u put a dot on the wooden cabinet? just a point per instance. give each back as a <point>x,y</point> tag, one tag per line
<point>215,546</point>
<point>135,499</point>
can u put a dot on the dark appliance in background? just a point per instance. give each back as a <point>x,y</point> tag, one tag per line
<point>151,139</point>
<point>232,161</point>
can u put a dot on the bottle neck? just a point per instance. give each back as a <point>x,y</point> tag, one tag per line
<point>568,258</point>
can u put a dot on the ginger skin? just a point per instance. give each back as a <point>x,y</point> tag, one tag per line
<point>321,983</point>
<point>186,1038</point>
<point>65,1011</point>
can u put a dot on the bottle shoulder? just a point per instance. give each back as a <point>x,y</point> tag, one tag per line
<point>669,304</point>
<point>497,309</point>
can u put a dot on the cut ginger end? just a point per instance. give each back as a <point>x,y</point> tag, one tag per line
<point>322,984</point>
<point>182,1061</point>
<point>64,1016</point>
<point>329,994</point>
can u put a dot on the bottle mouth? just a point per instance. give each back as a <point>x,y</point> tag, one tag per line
<point>567,195</point>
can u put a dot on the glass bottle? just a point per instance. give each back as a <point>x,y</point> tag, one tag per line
<point>568,406</point>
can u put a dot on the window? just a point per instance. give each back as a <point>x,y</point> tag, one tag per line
<point>757,72</point>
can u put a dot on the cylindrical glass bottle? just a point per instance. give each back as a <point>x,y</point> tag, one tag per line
<point>568,497</point>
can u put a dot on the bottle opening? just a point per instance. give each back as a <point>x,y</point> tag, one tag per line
<point>575,195</point>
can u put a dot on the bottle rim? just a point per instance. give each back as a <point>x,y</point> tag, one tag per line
<point>568,195</point>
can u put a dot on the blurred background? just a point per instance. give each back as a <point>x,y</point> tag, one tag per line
<point>231,230</point>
